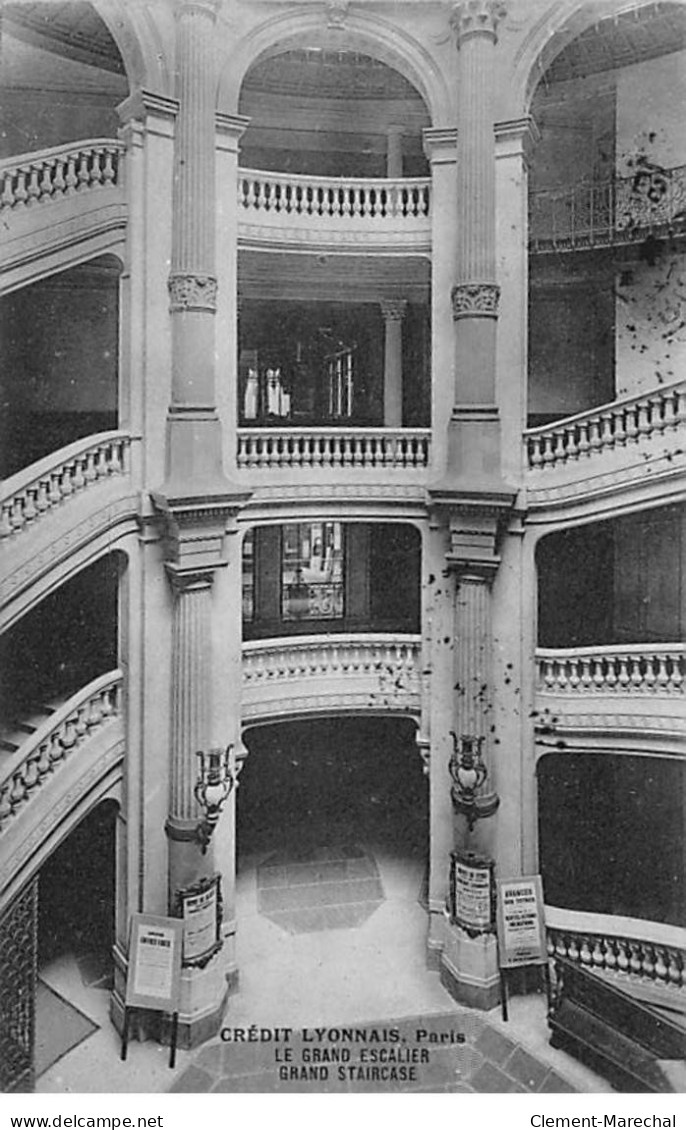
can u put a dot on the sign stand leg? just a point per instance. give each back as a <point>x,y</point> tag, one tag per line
<point>548,986</point>
<point>174,1038</point>
<point>503,993</point>
<point>125,1034</point>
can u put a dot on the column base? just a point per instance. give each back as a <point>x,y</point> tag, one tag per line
<point>469,968</point>
<point>204,995</point>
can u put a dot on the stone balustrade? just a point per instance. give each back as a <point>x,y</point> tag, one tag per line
<point>56,739</point>
<point>267,448</point>
<point>601,214</point>
<point>633,948</point>
<point>343,197</point>
<point>635,669</point>
<point>47,484</point>
<point>610,427</point>
<point>51,174</point>
<point>306,674</point>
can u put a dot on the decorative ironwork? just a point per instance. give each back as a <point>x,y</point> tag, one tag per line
<point>18,947</point>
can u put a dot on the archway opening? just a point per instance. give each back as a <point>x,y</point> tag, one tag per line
<point>606,218</point>
<point>332,826</point>
<point>76,923</point>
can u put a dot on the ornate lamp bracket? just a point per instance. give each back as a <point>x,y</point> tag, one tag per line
<point>469,774</point>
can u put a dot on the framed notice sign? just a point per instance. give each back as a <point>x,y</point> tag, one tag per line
<point>154,972</point>
<point>472,892</point>
<point>200,908</point>
<point>521,931</point>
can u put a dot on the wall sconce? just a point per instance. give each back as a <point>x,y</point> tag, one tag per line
<point>212,789</point>
<point>469,774</point>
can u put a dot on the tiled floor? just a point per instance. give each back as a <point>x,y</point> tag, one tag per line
<point>371,974</point>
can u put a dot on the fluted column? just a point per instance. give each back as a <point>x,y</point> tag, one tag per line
<point>474,444</point>
<point>194,450</point>
<point>393,312</point>
<point>190,682</point>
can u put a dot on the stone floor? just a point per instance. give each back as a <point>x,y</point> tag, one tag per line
<point>322,971</point>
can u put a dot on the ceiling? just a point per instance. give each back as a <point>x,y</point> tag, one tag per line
<point>319,73</point>
<point>69,28</point>
<point>620,41</point>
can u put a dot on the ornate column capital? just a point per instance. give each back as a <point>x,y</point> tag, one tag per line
<point>393,309</point>
<point>476,17</point>
<point>475,300</point>
<point>192,292</point>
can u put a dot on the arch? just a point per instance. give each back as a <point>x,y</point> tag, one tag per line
<point>93,774</point>
<point>141,46</point>
<point>363,32</point>
<point>555,29</point>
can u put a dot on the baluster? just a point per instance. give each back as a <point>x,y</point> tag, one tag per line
<point>662,677</point>
<point>573,949</point>
<point>560,945</point>
<point>571,449</point>
<point>660,964</point>
<point>33,188</point>
<point>647,962</point>
<point>46,182</point>
<point>17,513</point>
<point>68,735</point>
<point>546,678</point>
<point>55,488</point>
<point>78,479</point>
<point>619,431</point>
<point>549,448</point>
<point>574,676</point>
<point>584,443</point>
<point>5,804</point>
<point>20,193</point>
<point>5,523</point>
<point>7,191</point>
<point>598,674</point>
<point>636,675</point>
<point>674,968</point>
<point>30,511</point>
<point>115,453</point>
<point>559,445</point>
<point>535,456</point>
<point>606,434</point>
<point>96,167</point>
<point>584,951</point>
<point>44,762</point>
<point>658,416</point>
<point>83,177</point>
<point>42,500</point>
<point>80,723</point>
<point>644,421</point>
<point>31,773</point>
<point>611,673</point>
<point>623,677</point>
<point>59,184</point>
<point>610,955</point>
<point>650,677</point>
<point>90,472</point>
<point>677,677</point>
<point>57,749</point>
<point>631,416</point>
<point>594,434</point>
<point>635,964</point>
<point>681,407</point>
<point>108,173</point>
<point>622,955</point>
<point>598,955</point>
<point>18,790</point>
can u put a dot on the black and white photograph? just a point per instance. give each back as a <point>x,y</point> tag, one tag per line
<point>342,557</point>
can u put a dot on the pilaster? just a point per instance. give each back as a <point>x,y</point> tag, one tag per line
<point>393,313</point>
